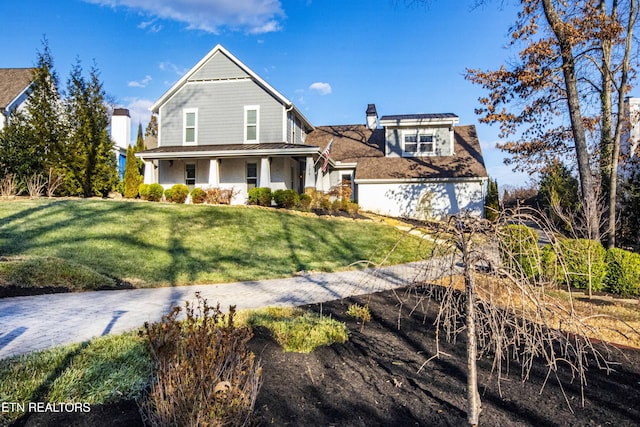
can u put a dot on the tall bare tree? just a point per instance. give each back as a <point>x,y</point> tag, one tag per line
<point>572,53</point>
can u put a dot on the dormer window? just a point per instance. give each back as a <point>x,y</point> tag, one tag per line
<point>417,143</point>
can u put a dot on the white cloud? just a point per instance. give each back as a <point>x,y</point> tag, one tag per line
<point>320,87</point>
<point>251,16</point>
<point>139,110</point>
<point>142,83</point>
<point>169,66</point>
<point>151,26</point>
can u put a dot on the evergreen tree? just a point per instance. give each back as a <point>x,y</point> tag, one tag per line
<point>90,161</point>
<point>132,177</point>
<point>31,142</point>
<point>559,190</point>
<point>492,201</point>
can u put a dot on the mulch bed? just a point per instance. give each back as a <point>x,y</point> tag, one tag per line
<point>373,380</point>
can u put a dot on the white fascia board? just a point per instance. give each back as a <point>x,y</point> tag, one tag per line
<point>341,165</point>
<point>232,153</point>
<point>10,105</point>
<point>418,180</point>
<point>419,122</point>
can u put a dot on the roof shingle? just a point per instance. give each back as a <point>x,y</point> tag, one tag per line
<point>13,81</point>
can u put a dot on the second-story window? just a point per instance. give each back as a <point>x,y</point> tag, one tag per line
<point>418,143</point>
<point>251,115</point>
<point>190,121</point>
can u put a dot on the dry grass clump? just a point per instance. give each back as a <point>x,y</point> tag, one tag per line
<point>616,321</point>
<point>204,373</point>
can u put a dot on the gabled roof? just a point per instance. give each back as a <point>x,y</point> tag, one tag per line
<point>13,83</point>
<point>219,49</point>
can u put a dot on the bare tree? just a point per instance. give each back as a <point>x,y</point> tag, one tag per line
<point>493,291</point>
<point>35,185</point>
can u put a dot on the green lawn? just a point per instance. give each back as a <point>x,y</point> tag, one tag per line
<point>157,244</point>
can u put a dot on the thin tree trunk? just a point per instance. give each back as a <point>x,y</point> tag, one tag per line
<point>622,91</point>
<point>473,396</point>
<point>575,114</point>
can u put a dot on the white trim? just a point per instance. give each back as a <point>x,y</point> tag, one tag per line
<point>418,132</point>
<point>306,150</point>
<point>186,111</point>
<point>418,180</point>
<point>419,122</point>
<point>255,108</point>
<point>159,118</point>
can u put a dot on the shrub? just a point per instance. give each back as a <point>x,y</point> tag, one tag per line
<point>579,262</point>
<point>143,191</point>
<point>286,198</point>
<point>337,205</point>
<point>519,250</point>
<point>155,192</point>
<point>359,312</point>
<point>204,373</point>
<point>260,196</point>
<point>177,193</point>
<point>198,196</point>
<point>352,208</point>
<point>217,196</point>
<point>623,272</point>
<point>304,202</point>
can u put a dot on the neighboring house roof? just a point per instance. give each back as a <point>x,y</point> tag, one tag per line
<point>223,150</point>
<point>219,49</point>
<point>13,83</point>
<point>350,142</point>
<point>357,143</point>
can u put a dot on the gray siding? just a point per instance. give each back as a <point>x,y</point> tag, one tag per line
<point>218,67</point>
<point>221,112</point>
<point>442,139</point>
<point>298,136</point>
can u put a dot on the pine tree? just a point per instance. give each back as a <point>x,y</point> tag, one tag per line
<point>492,201</point>
<point>89,158</point>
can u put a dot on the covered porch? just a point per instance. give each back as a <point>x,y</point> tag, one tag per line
<point>238,167</point>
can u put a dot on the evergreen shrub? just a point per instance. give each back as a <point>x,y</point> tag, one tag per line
<point>198,196</point>
<point>519,250</point>
<point>583,261</point>
<point>304,202</point>
<point>623,272</point>
<point>260,196</point>
<point>286,198</point>
<point>177,193</point>
<point>143,190</point>
<point>155,192</point>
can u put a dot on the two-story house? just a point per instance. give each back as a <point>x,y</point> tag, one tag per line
<point>221,125</point>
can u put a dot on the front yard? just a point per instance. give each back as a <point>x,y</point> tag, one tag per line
<point>148,244</point>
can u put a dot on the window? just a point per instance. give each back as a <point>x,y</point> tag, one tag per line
<point>252,175</point>
<point>190,174</point>
<point>417,143</point>
<point>190,121</point>
<point>251,114</point>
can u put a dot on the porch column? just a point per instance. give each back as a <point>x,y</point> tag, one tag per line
<point>149,172</point>
<point>214,173</point>
<point>309,174</point>
<point>320,180</point>
<point>265,173</point>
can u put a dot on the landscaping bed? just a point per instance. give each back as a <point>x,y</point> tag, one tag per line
<point>373,379</point>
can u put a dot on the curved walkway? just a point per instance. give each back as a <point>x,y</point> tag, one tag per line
<point>38,322</point>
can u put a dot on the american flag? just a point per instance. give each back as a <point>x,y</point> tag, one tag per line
<point>325,154</point>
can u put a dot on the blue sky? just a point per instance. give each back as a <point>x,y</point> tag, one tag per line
<point>330,57</point>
